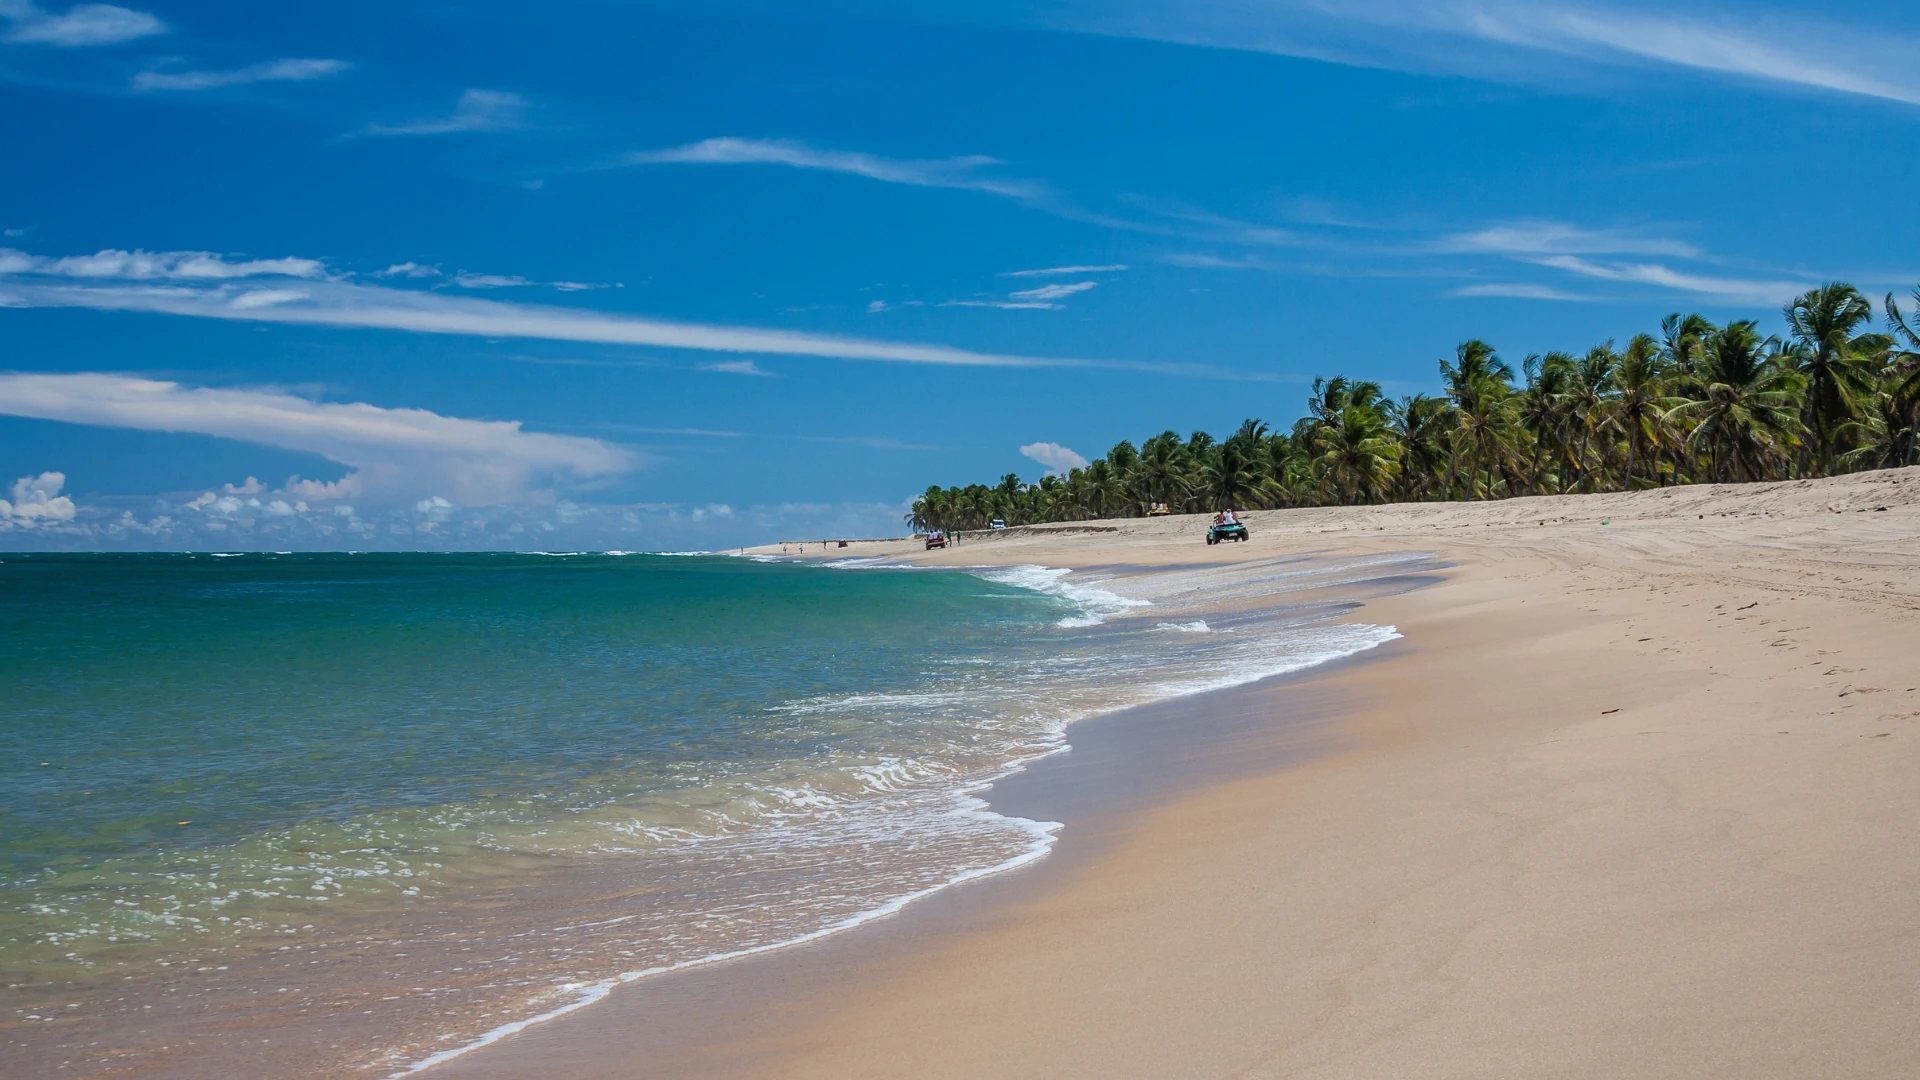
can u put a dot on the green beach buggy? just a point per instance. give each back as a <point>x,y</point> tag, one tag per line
<point>1231,530</point>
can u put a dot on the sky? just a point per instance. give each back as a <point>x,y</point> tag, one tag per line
<point>630,275</point>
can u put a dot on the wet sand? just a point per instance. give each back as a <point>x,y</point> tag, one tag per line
<point>1635,796</point>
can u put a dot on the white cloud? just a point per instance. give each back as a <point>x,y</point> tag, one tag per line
<point>1057,459</point>
<point>477,110</point>
<point>1810,54</point>
<point>1519,291</point>
<point>1560,238</point>
<point>1005,305</point>
<point>1051,270</point>
<point>263,298</point>
<point>82,24</point>
<point>394,454</point>
<point>187,291</point>
<point>36,501</point>
<point>1055,292</point>
<point>1733,289</point>
<point>960,172</point>
<point>1202,261</point>
<point>290,70</point>
<point>736,367</point>
<point>488,281</point>
<point>1037,299</point>
<point>156,266</point>
<point>1527,39</point>
<point>407,270</point>
<point>874,307</point>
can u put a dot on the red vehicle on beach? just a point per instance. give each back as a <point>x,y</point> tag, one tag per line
<point>936,540</point>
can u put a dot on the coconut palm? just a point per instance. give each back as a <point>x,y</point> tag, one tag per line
<point>1834,361</point>
<point>1357,451</point>
<point>1589,410</point>
<point>1234,477</point>
<point>1744,404</point>
<point>1640,403</point>
<point>1161,474</point>
<point>1287,465</point>
<point>1477,383</point>
<point>1681,339</point>
<point>1541,408</point>
<point>1422,427</point>
<point>1902,378</point>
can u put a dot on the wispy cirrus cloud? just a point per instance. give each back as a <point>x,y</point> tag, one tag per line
<point>1041,298</point>
<point>1538,237</point>
<point>1530,41</point>
<point>115,264</point>
<point>1055,270</point>
<point>79,26</point>
<point>477,110</point>
<point>1723,288</point>
<point>736,367</point>
<point>196,284</point>
<point>1520,291</point>
<point>1055,292</point>
<point>393,454</point>
<point>959,172</point>
<point>468,280</point>
<point>290,70</point>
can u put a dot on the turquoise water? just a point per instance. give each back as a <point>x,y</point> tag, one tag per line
<point>223,761</point>
<point>264,694</point>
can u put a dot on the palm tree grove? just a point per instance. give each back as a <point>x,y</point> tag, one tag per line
<point>1699,403</point>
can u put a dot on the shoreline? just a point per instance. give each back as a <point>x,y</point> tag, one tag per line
<point>1028,791</point>
<point>1119,766</point>
<point>1593,818</point>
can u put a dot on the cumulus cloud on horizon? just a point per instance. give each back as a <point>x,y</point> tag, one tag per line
<point>36,501</point>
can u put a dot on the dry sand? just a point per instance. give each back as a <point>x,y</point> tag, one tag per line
<point>1636,797</point>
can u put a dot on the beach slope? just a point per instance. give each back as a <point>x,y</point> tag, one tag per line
<point>1636,796</point>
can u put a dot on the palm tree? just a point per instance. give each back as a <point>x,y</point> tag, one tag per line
<point>1640,406</point>
<point>1542,408</point>
<point>1902,382</point>
<point>1357,451</point>
<point>1473,377</point>
<point>1832,359</point>
<point>1681,339</point>
<point>1161,473</point>
<point>1744,411</point>
<point>1422,425</point>
<point>1233,476</point>
<point>1588,408</point>
<point>1287,466</point>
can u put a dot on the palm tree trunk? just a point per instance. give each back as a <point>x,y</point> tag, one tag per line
<point>1633,437</point>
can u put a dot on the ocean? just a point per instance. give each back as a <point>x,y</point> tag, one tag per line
<point>371,808</point>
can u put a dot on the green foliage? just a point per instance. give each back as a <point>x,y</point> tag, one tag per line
<point>1697,403</point>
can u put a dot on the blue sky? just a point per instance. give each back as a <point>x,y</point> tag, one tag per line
<point>666,276</point>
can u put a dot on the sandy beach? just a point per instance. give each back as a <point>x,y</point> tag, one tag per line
<point>1634,796</point>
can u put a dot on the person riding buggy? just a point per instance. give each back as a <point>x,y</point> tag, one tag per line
<point>1225,527</point>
